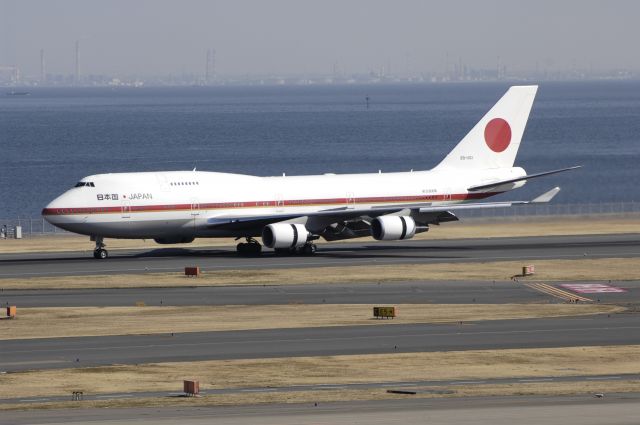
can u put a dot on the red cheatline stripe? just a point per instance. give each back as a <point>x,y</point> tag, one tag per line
<point>259,204</point>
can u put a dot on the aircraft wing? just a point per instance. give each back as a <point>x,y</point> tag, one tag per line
<point>428,214</point>
<point>544,198</point>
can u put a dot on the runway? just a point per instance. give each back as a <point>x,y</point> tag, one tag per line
<point>420,292</point>
<point>613,409</point>
<point>336,254</point>
<point>390,338</point>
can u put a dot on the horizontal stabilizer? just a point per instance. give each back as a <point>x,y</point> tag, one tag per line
<point>547,196</point>
<point>519,179</point>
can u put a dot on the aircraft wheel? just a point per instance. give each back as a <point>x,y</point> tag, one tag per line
<point>309,249</point>
<point>249,248</point>
<point>100,254</point>
<point>282,251</point>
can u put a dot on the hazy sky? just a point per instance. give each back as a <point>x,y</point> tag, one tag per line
<point>298,36</point>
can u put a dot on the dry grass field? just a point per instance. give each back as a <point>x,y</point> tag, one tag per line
<point>336,370</point>
<point>52,322</point>
<point>615,269</point>
<point>333,395</point>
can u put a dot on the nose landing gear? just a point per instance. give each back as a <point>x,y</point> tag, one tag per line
<point>100,253</point>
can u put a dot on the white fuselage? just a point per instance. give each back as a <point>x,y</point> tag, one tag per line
<point>152,205</point>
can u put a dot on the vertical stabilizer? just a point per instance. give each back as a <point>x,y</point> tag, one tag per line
<point>495,139</point>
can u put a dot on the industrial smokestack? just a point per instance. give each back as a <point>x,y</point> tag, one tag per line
<point>213,63</point>
<point>207,70</point>
<point>43,71</point>
<point>210,68</point>
<point>77,68</point>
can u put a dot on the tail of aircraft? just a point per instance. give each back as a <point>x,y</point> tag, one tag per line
<point>495,139</point>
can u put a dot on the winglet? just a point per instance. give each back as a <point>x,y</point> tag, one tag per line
<point>547,196</point>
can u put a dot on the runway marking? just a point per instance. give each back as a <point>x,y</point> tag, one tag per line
<point>401,384</point>
<point>32,362</point>
<point>556,292</point>
<point>604,378</point>
<point>592,288</point>
<point>468,382</point>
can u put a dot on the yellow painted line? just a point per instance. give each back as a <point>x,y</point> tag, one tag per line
<point>559,293</point>
<point>570,294</point>
<point>556,292</point>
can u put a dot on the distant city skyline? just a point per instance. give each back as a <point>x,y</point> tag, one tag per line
<point>407,38</point>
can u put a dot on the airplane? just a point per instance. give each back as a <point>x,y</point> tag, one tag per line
<point>289,213</point>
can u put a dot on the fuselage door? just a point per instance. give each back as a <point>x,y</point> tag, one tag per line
<point>447,194</point>
<point>279,203</point>
<point>163,182</point>
<point>351,200</point>
<point>126,209</point>
<point>195,208</point>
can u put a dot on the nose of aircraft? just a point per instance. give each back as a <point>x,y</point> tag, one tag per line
<point>58,211</point>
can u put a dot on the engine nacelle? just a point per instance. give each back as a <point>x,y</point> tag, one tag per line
<point>283,235</point>
<point>393,227</point>
<point>174,239</point>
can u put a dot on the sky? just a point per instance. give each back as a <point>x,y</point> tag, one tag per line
<point>253,37</point>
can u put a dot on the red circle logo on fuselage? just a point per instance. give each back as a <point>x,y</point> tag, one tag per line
<point>497,134</point>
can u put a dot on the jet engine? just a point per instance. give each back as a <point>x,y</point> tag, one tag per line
<point>283,235</point>
<point>393,227</point>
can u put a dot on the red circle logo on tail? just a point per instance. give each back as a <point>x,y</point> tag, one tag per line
<point>497,134</point>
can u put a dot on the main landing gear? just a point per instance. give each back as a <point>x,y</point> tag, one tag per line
<point>100,253</point>
<point>307,249</point>
<point>250,248</point>
<point>253,248</point>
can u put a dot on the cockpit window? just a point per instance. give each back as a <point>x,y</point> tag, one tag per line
<point>82,184</point>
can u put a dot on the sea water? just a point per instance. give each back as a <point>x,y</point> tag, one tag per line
<point>53,137</point>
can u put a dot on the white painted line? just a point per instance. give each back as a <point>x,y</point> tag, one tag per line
<point>604,378</point>
<point>468,382</point>
<point>115,396</point>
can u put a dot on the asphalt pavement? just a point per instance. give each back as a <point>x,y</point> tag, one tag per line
<point>336,254</point>
<point>582,409</point>
<point>615,329</point>
<point>414,292</point>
